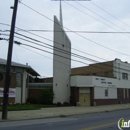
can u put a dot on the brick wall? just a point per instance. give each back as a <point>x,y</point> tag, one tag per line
<point>100,69</point>
<point>13,80</point>
<point>12,85</point>
<point>35,94</point>
<point>74,95</point>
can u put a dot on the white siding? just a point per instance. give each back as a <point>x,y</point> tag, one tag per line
<point>82,81</point>
<point>99,93</point>
<point>91,81</point>
<point>18,95</point>
<point>121,67</point>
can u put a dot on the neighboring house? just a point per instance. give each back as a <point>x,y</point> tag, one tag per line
<point>18,90</point>
<point>104,69</point>
<point>109,85</point>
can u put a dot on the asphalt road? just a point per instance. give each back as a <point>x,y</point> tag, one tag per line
<point>94,121</point>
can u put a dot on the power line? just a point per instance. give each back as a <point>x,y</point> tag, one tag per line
<point>73,54</point>
<point>58,49</point>
<point>61,44</point>
<point>75,32</point>
<point>104,64</point>
<point>50,45</point>
<point>40,30</point>
<point>69,47</point>
<point>5,24</point>
<point>110,14</point>
<point>65,57</point>
<point>98,15</point>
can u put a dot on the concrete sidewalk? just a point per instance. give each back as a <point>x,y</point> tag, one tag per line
<point>60,111</point>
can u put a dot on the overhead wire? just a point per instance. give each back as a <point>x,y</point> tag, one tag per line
<point>97,15</point>
<point>61,44</point>
<point>66,52</point>
<point>66,57</point>
<point>20,43</point>
<point>52,47</point>
<point>109,14</point>
<point>75,32</point>
<point>58,49</point>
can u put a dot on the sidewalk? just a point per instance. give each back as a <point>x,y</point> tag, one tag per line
<point>60,111</point>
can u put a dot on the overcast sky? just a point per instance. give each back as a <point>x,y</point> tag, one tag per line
<point>86,16</point>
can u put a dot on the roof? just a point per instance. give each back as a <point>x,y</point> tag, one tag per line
<point>106,62</point>
<point>42,85</point>
<point>29,68</point>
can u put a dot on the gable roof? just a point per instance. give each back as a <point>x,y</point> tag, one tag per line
<point>29,68</point>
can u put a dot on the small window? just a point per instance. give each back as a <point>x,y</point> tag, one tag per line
<point>18,80</point>
<point>1,76</point>
<point>106,92</point>
<point>125,76</point>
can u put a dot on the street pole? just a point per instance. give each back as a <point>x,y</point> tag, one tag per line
<point>8,66</point>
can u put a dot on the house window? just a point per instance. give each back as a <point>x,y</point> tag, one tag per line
<point>125,76</point>
<point>18,80</point>
<point>106,92</point>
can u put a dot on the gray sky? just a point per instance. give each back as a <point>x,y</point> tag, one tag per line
<point>74,20</point>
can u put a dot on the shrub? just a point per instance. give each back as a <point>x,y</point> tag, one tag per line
<point>47,96</point>
<point>32,100</point>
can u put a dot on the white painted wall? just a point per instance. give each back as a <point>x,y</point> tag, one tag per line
<point>61,65</point>
<point>81,81</point>
<point>90,81</point>
<point>121,67</point>
<point>104,82</point>
<point>18,95</point>
<point>99,93</point>
<point>100,84</point>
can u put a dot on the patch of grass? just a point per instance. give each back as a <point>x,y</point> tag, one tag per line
<point>26,107</point>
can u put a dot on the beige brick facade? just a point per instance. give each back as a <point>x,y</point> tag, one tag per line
<point>100,69</point>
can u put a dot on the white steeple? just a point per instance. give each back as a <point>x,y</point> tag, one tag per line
<point>61,20</point>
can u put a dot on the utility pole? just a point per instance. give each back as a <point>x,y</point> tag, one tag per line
<point>8,66</point>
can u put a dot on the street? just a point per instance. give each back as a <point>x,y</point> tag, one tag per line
<point>95,121</point>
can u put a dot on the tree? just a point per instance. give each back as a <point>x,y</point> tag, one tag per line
<point>47,96</point>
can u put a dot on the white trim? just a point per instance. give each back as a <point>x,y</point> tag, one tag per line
<point>83,86</point>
